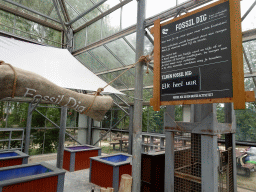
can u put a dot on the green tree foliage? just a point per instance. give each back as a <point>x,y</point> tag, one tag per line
<point>245,120</point>
<point>46,140</point>
<point>246,123</point>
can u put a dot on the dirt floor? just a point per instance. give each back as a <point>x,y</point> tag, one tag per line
<point>247,182</point>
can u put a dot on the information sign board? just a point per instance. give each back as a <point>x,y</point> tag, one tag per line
<point>198,57</point>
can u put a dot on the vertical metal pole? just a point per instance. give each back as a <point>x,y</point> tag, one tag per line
<point>130,129</point>
<point>7,115</point>
<point>138,93</point>
<point>21,147</point>
<point>89,131</point>
<point>28,128</point>
<point>169,151</point>
<point>43,142</point>
<point>230,140</point>
<point>62,131</point>
<point>10,138</point>
<point>169,162</point>
<point>209,160</point>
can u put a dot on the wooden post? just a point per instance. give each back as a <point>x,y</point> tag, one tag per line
<point>103,189</point>
<point>109,189</point>
<point>126,183</point>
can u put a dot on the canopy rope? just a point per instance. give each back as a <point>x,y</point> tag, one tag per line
<point>15,77</point>
<point>143,58</point>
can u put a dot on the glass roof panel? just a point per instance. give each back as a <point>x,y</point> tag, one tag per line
<point>73,13</point>
<point>81,7</point>
<point>79,39</point>
<point>106,57</point>
<point>28,29</point>
<point>147,94</point>
<point>127,78</point>
<point>148,46</point>
<point>147,78</point>
<point>248,84</point>
<point>246,69</point>
<point>91,63</point>
<point>6,21</point>
<point>182,1</point>
<point>250,21</point>
<point>132,39</point>
<point>111,24</point>
<point>50,13</point>
<point>155,7</point>
<point>118,84</point>
<point>129,19</point>
<point>122,51</point>
<point>94,32</point>
<point>107,5</point>
<point>45,6</point>
<point>250,48</point>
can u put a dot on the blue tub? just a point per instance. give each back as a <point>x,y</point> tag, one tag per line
<point>39,177</point>
<point>11,158</point>
<point>116,158</point>
<point>106,171</point>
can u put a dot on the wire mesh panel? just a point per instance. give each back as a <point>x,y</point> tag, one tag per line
<point>187,165</point>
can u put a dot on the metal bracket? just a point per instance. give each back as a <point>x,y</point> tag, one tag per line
<point>35,104</point>
<point>179,11</point>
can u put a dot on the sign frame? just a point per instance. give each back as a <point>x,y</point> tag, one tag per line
<point>240,96</point>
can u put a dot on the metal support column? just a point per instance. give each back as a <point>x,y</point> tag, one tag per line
<point>138,101</point>
<point>60,151</point>
<point>82,132</point>
<point>209,155</point>
<point>169,152</point>
<point>89,136</point>
<point>130,129</point>
<point>28,129</point>
<point>230,142</point>
<point>209,160</point>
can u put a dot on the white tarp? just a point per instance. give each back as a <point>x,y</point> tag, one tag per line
<point>56,65</point>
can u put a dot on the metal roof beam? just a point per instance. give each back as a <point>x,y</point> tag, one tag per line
<point>102,15</point>
<point>249,10</point>
<point>64,10</point>
<point>149,22</point>
<point>249,65</point>
<point>30,17</point>
<point>31,10</point>
<point>249,35</point>
<point>86,12</point>
<point>58,13</point>
<point>108,39</point>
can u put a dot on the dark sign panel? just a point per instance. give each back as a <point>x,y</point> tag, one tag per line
<point>196,56</point>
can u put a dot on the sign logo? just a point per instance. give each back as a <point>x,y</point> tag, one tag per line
<point>164,31</point>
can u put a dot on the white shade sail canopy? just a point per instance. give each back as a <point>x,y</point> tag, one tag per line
<point>56,65</point>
